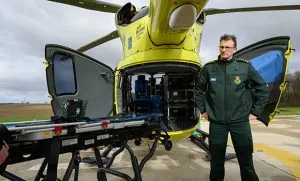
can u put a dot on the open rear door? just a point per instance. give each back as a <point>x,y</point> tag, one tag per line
<point>73,77</point>
<point>270,58</point>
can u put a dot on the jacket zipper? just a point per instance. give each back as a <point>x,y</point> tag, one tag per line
<point>225,64</point>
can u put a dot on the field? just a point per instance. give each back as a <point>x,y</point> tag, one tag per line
<point>29,112</point>
<point>289,111</point>
<point>24,112</point>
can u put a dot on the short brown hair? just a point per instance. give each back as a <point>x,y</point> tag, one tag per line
<point>227,37</point>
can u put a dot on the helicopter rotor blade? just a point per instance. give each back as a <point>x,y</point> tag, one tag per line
<point>92,5</point>
<point>99,41</point>
<point>213,11</point>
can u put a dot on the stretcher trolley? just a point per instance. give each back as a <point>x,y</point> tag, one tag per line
<point>49,139</point>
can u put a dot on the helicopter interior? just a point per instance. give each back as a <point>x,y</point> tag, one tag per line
<point>168,90</point>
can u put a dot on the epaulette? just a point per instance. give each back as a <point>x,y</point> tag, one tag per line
<point>242,60</point>
<point>214,61</point>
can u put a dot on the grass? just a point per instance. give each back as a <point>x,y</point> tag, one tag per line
<point>17,119</point>
<point>289,111</point>
<point>30,112</point>
<point>24,112</point>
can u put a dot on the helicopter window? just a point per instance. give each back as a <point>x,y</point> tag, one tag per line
<point>64,74</point>
<point>125,14</point>
<point>143,12</point>
<point>201,18</point>
<point>269,65</point>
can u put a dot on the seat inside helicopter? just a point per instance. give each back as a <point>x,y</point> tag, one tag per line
<point>170,93</point>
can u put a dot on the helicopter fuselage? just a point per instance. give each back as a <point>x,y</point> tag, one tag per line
<point>161,57</point>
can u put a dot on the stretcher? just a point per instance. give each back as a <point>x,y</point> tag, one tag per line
<point>50,138</point>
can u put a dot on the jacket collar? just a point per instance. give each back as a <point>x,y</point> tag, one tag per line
<point>227,61</point>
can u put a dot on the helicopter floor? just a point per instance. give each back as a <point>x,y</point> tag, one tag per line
<point>276,158</point>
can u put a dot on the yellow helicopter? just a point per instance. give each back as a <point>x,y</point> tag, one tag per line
<point>159,66</point>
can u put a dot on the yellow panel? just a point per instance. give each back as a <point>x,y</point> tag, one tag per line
<point>288,56</point>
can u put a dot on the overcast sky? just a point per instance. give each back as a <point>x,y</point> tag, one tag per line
<point>26,26</point>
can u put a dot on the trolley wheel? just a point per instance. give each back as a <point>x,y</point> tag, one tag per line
<point>168,145</point>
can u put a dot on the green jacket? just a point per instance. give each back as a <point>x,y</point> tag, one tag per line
<point>229,91</point>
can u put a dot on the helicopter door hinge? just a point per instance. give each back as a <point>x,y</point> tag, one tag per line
<point>289,51</point>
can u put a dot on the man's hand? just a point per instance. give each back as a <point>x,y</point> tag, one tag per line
<point>4,153</point>
<point>252,117</point>
<point>204,115</point>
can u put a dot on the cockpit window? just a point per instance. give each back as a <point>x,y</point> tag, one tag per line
<point>201,18</point>
<point>125,14</point>
<point>143,12</point>
<point>128,14</point>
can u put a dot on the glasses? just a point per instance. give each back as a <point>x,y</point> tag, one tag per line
<point>226,47</point>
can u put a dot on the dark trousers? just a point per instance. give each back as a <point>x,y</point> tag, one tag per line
<point>242,141</point>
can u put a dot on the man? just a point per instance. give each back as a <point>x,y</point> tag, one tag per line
<point>4,135</point>
<point>223,96</point>
<point>3,152</point>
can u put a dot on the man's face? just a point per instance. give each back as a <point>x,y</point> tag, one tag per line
<point>227,49</point>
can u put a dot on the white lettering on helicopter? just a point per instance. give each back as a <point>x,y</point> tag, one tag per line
<point>129,43</point>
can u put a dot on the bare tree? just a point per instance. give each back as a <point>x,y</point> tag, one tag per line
<point>291,95</point>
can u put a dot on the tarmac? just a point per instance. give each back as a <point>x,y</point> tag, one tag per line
<point>276,158</point>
